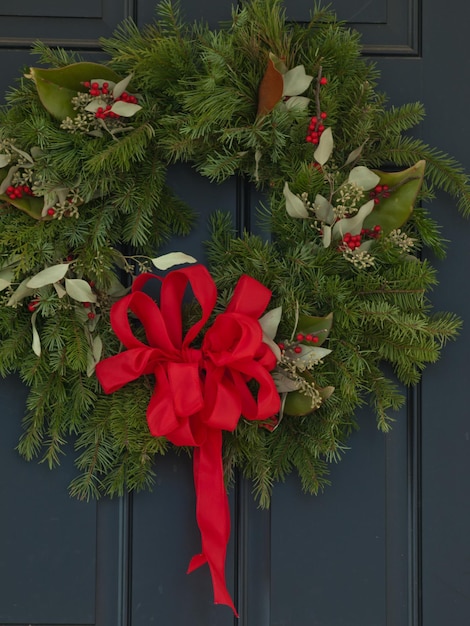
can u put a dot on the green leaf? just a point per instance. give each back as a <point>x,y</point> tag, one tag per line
<point>392,212</point>
<point>57,86</point>
<point>318,326</point>
<point>297,404</point>
<point>4,160</point>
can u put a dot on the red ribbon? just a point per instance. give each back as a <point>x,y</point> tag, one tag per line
<point>198,391</point>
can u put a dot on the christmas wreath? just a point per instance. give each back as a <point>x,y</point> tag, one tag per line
<point>266,365</point>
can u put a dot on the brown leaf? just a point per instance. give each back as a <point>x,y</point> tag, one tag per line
<point>270,89</point>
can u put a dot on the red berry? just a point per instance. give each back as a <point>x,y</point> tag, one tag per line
<point>323,115</point>
<point>51,211</point>
<point>91,315</point>
<point>300,337</point>
<point>281,346</point>
<point>323,80</point>
<point>298,349</point>
<point>87,305</point>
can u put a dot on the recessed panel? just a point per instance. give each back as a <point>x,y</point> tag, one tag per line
<point>48,540</point>
<point>52,8</point>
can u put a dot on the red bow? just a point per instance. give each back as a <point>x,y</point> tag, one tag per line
<point>198,391</point>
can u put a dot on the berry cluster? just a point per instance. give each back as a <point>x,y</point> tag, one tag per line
<point>316,128</point>
<point>378,192</point>
<point>96,91</point>
<point>295,346</point>
<point>18,191</point>
<point>354,241</point>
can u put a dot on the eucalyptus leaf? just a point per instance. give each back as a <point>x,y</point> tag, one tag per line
<point>125,109</point>
<point>48,276</point>
<point>166,261</point>
<point>325,147</point>
<point>324,209</point>
<point>353,224</point>
<point>297,103</point>
<point>363,177</point>
<point>295,207</point>
<point>354,155</point>
<point>296,81</point>
<point>79,290</point>
<point>36,344</point>
<point>4,160</point>
<point>21,292</point>
<point>283,383</point>
<point>120,87</point>
<point>270,322</point>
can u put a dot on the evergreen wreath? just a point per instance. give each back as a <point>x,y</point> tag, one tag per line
<point>292,108</point>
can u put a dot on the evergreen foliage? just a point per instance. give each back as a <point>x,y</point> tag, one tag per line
<point>199,93</point>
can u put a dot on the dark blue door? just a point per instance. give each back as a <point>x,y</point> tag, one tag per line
<point>385,545</point>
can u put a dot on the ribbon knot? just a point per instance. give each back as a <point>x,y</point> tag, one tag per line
<point>198,391</point>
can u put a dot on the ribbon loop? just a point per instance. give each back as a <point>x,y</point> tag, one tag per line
<point>199,392</point>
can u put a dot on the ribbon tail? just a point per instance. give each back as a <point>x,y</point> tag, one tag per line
<point>212,514</point>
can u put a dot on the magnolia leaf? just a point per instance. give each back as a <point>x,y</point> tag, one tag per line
<point>363,177</point>
<point>48,276</point>
<point>326,392</point>
<point>57,86</point>
<point>4,160</point>
<point>270,322</point>
<point>121,86</point>
<point>298,404</point>
<point>271,88</point>
<point>21,292</point>
<point>297,103</point>
<point>325,147</point>
<point>36,344</point>
<point>295,207</point>
<point>79,290</point>
<point>296,81</point>
<point>283,383</point>
<point>166,261</point>
<point>324,209</point>
<point>28,204</point>
<point>394,211</point>
<point>125,109</point>
<point>318,326</point>
<point>353,224</point>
